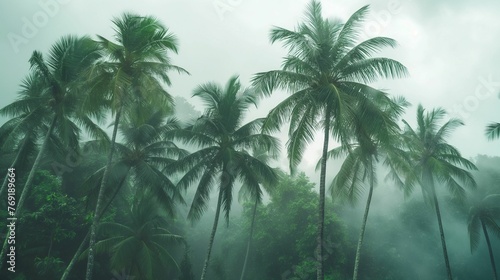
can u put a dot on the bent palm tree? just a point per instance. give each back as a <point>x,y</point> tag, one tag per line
<point>433,159</point>
<point>131,73</point>
<point>223,140</point>
<point>56,99</point>
<point>362,157</point>
<point>483,216</point>
<point>326,72</point>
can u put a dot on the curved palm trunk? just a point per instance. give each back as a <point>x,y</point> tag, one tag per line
<point>75,257</point>
<point>212,236</point>
<point>86,239</point>
<point>28,184</point>
<point>363,227</point>
<point>5,181</point>
<point>440,223</point>
<point>492,259</point>
<point>320,274</point>
<point>249,240</point>
<point>100,196</point>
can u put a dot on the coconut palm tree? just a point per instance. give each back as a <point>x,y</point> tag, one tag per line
<point>432,159</point>
<point>223,140</point>
<point>53,94</point>
<point>141,157</point>
<point>483,216</point>
<point>254,193</point>
<point>363,155</point>
<point>326,71</point>
<point>131,72</point>
<point>139,245</point>
<point>493,131</point>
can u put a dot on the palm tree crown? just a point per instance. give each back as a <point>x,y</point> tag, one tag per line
<point>225,142</point>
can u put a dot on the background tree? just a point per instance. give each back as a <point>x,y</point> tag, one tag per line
<point>483,216</point>
<point>223,139</point>
<point>362,157</point>
<point>48,225</point>
<point>432,159</point>
<point>186,272</point>
<point>139,245</point>
<point>285,235</point>
<point>141,157</point>
<point>254,193</point>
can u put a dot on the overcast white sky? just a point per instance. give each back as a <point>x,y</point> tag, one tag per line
<point>451,48</point>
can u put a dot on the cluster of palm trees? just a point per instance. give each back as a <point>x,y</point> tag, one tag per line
<point>69,94</point>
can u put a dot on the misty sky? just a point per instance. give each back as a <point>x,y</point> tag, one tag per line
<point>449,47</point>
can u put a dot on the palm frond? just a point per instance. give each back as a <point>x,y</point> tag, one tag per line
<point>493,131</point>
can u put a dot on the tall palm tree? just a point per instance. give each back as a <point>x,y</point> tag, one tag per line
<point>493,131</point>
<point>362,158</point>
<point>432,159</point>
<point>223,140</point>
<point>131,72</point>
<point>483,216</point>
<point>56,99</point>
<point>139,246</point>
<point>326,72</point>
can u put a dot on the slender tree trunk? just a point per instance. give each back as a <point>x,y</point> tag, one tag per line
<point>320,274</point>
<point>492,259</point>
<point>212,236</point>
<point>75,257</point>
<point>440,223</point>
<point>50,246</point>
<point>100,196</point>
<point>5,181</point>
<point>249,239</point>
<point>363,226</point>
<point>85,240</point>
<point>28,184</point>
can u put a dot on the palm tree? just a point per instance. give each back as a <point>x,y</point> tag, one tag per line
<point>362,157</point>
<point>432,159</point>
<point>493,131</point>
<point>130,73</point>
<point>224,141</point>
<point>140,160</point>
<point>53,96</point>
<point>327,72</point>
<point>483,216</point>
<point>139,246</point>
<point>254,193</point>
<point>142,157</point>
<point>17,146</point>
